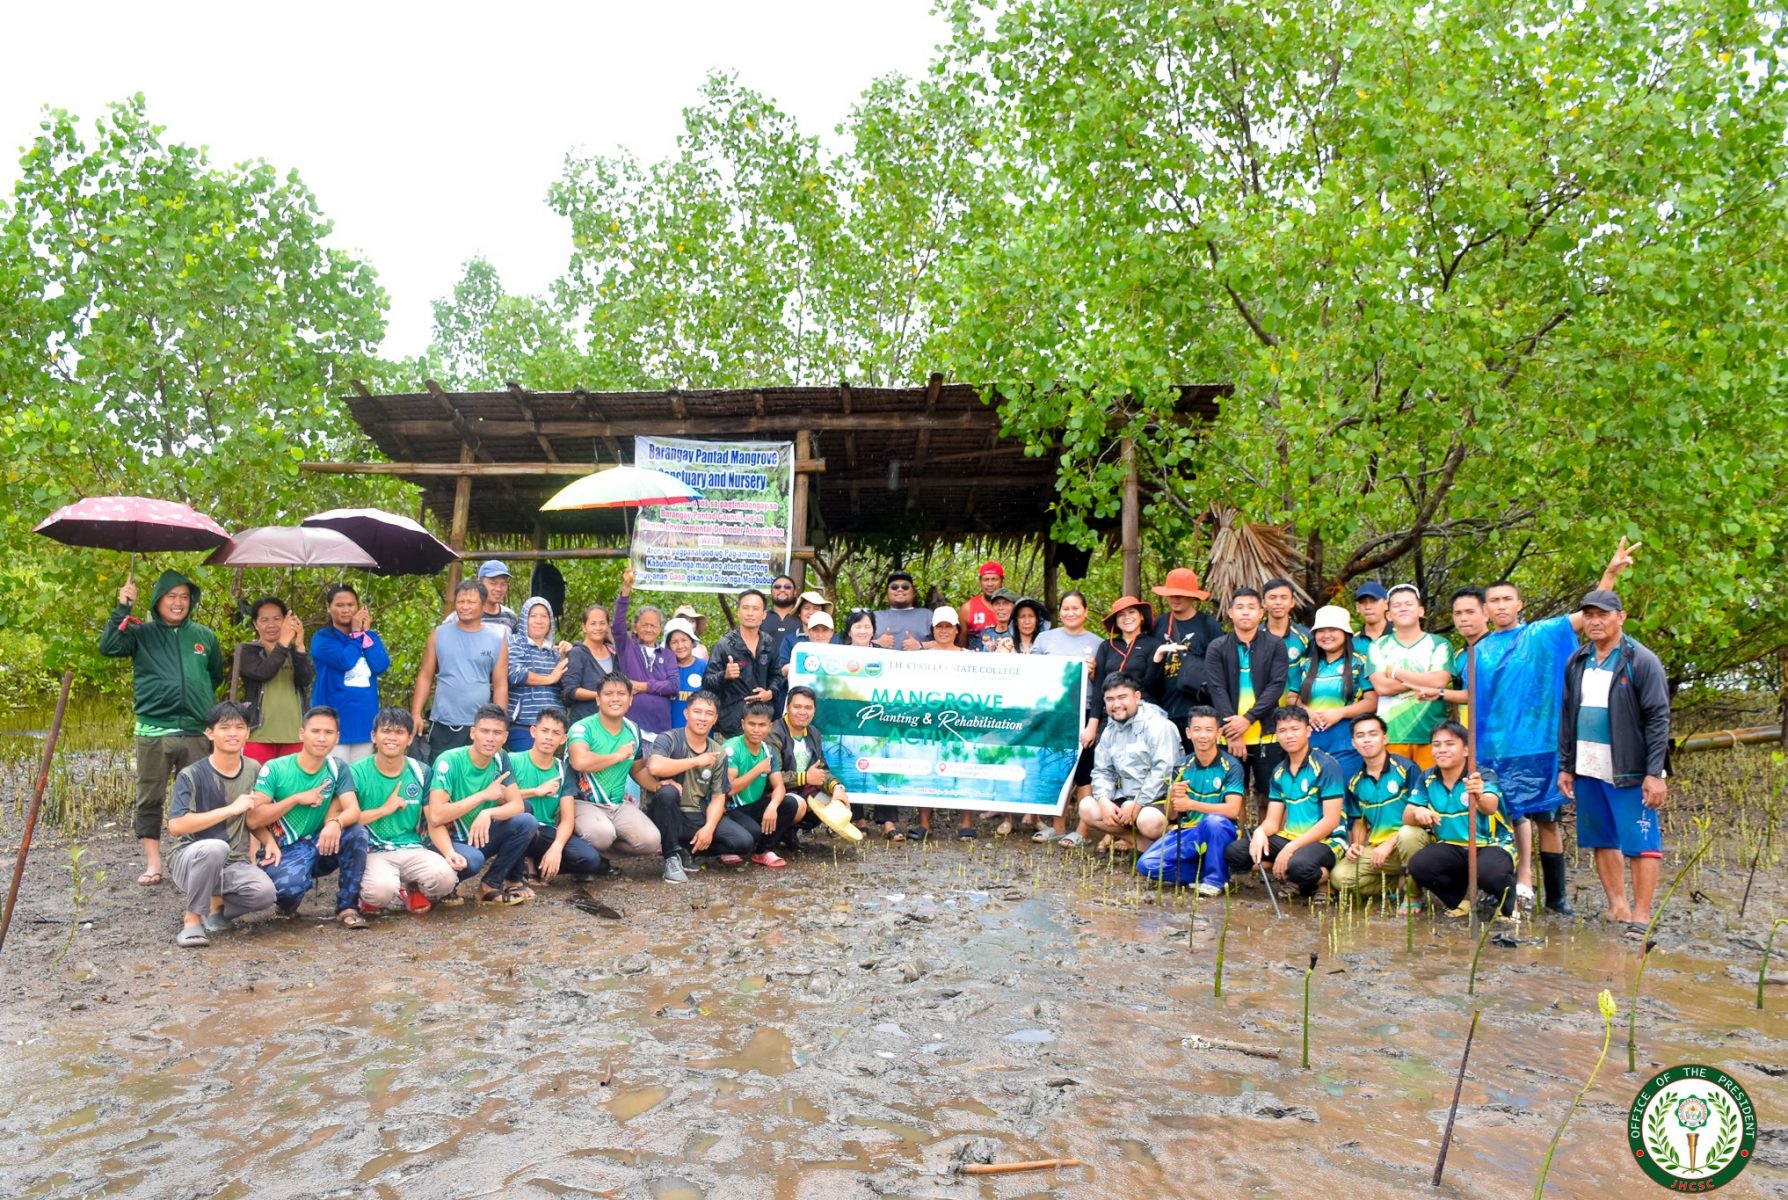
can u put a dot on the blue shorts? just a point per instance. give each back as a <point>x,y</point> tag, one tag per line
<point>1611,818</point>
<point>1548,816</point>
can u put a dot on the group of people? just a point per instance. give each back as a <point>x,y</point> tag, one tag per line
<point>522,757</point>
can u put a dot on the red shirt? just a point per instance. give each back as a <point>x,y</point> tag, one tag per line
<point>977,615</point>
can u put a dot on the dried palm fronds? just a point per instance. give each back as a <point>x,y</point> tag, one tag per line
<point>1244,554</point>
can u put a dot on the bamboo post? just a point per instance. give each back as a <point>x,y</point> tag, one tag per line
<point>1132,521</point>
<point>43,781</point>
<point>462,513</point>
<point>798,508</point>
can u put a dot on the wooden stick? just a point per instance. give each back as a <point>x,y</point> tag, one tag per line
<point>43,781</point>
<point>1196,1042</point>
<point>1446,1139</point>
<point>1036,1164</point>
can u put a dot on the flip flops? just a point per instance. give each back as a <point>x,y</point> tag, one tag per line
<point>149,878</point>
<point>350,918</point>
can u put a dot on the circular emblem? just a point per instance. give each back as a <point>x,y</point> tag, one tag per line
<point>1391,787</point>
<point>1692,1128</point>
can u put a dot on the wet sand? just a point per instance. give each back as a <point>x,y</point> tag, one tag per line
<point>853,1026</point>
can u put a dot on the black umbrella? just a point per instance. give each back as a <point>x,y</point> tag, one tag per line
<point>399,545</point>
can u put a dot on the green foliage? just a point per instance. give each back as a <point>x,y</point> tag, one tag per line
<point>1490,284</point>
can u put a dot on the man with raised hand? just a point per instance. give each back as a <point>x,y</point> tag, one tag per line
<point>469,794</point>
<point>1300,836</point>
<point>689,805</point>
<point>549,789</point>
<point>307,799</point>
<point>466,663</point>
<point>1203,808</point>
<point>1614,747</point>
<point>1378,844</point>
<point>1132,763</point>
<point>408,862</point>
<point>607,749</point>
<point>1408,664</point>
<point>176,666</point>
<point>214,858</point>
<point>901,625</point>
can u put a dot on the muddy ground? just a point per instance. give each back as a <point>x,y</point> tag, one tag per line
<point>852,1026</point>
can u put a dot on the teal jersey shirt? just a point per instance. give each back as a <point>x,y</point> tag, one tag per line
<point>1326,692</point>
<point>283,777</point>
<point>408,826</point>
<point>530,774</point>
<point>1304,791</point>
<point>1433,793</point>
<point>1379,801</point>
<point>1208,783</point>
<point>1297,645</point>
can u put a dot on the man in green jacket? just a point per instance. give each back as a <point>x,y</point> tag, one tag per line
<point>176,667</point>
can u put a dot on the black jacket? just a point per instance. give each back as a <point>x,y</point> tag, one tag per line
<point>260,666</point>
<point>1638,713</point>
<point>1184,674</point>
<point>755,671</point>
<point>1267,667</point>
<point>1140,663</point>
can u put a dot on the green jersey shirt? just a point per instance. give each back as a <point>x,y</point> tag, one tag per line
<point>1379,800</point>
<point>529,774</point>
<point>1450,802</point>
<point>1409,721</point>
<point>456,774</point>
<point>283,777</point>
<point>1207,783</point>
<point>408,826</point>
<point>1326,692</point>
<point>1304,791</point>
<point>607,787</point>
<point>740,758</point>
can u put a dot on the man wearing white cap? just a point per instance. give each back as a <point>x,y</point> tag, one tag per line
<point>806,606</point>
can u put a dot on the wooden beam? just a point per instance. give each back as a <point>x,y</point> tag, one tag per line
<point>850,437</point>
<point>723,427</point>
<point>527,412</point>
<point>467,436</point>
<point>462,513</point>
<point>757,404</point>
<point>595,413</point>
<point>524,470</point>
<point>1132,521</point>
<point>679,406</point>
<point>922,446</point>
<point>798,507</point>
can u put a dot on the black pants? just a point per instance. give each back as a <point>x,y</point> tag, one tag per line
<point>443,737</point>
<point>677,827</point>
<point>1307,862</point>
<point>1441,868</point>
<point>749,819</point>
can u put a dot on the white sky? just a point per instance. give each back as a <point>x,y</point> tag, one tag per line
<point>430,133</point>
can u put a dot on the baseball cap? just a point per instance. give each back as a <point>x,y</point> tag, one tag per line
<point>1006,594</point>
<point>1606,599</point>
<point>945,614</point>
<point>822,617</point>
<point>991,568</point>
<point>1370,590</point>
<point>491,568</point>
<point>1407,587</point>
<point>894,576</point>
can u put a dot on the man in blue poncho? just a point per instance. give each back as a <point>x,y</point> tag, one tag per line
<point>1520,669</point>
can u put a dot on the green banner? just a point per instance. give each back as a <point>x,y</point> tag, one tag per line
<point>989,732</point>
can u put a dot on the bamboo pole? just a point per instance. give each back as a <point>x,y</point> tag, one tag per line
<point>43,781</point>
<point>1471,804</point>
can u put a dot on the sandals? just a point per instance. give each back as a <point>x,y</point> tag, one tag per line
<point>891,832</point>
<point>350,918</point>
<point>149,878</point>
<point>1634,931</point>
<point>917,833</point>
<point>1004,828</point>
<point>191,937</point>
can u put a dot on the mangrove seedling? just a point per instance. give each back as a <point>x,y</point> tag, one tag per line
<point>1604,1002</point>
<point>1446,1139</point>
<point>1308,973</point>
<point>1768,946</point>
<point>1471,980</point>
<point>1222,938</point>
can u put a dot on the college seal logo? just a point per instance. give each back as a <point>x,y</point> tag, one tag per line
<point>1692,1128</point>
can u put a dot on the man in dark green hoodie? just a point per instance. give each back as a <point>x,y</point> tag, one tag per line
<point>176,667</point>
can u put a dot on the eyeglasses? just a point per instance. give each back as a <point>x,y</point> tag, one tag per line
<point>782,587</point>
<point>900,587</point>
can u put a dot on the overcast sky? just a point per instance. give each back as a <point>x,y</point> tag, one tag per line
<point>430,134</point>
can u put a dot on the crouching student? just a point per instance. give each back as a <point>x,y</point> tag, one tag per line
<point>549,789</point>
<point>805,772</point>
<point>606,750</point>
<point>1440,809</point>
<point>1379,843</point>
<point>470,796</point>
<point>756,801</point>
<point>1300,835</point>
<point>1202,807</point>
<point>689,804</point>
<point>214,850</point>
<point>409,863</point>
<point>307,799</point>
<point>1132,763</point>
